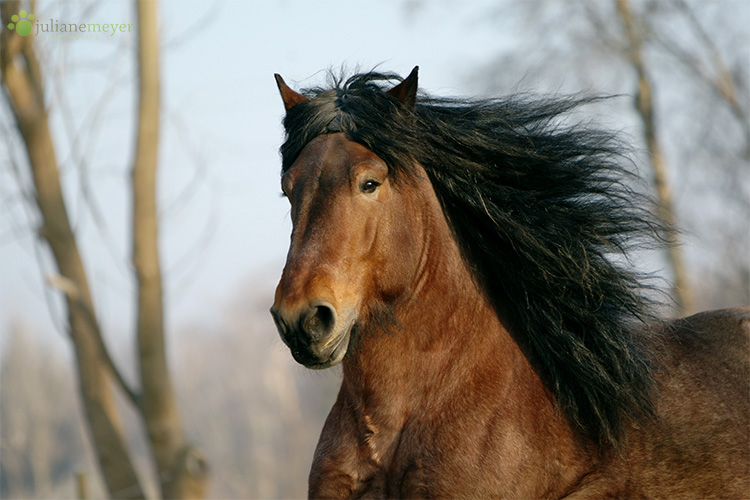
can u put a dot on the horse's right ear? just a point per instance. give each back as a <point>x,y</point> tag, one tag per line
<point>290,97</point>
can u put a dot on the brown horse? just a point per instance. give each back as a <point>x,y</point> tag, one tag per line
<point>456,256</point>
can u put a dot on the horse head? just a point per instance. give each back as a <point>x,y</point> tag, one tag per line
<point>351,252</point>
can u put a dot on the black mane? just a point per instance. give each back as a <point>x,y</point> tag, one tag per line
<point>543,217</point>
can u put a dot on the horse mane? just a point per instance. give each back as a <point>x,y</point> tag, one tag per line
<point>544,216</point>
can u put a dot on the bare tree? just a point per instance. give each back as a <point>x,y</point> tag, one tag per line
<point>644,104</point>
<point>685,62</point>
<point>260,430</point>
<point>36,409</point>
<point>180,468</point>
<point>259,418</point>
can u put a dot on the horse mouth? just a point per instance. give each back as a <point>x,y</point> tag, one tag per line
<point>325,355</point>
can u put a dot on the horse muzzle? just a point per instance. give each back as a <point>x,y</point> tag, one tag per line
<point>316,334</point>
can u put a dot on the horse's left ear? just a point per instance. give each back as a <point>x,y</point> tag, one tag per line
<point>290,97</point>
<point>406,91</point>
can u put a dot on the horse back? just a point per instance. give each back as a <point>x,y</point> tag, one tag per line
<point>699,444</point>
<point>705,369</point>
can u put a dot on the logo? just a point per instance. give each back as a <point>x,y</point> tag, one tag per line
<point>54,29</point>
<point>21,23</point>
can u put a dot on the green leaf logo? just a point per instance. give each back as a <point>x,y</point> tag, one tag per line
<point>21,23</point>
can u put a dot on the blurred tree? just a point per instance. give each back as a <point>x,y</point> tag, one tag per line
<point>180,468</point>
<point>259,416</point>
<point>685,62</point>
<point>39,434</point>
<point>644,105</point>
<point>261,412</point>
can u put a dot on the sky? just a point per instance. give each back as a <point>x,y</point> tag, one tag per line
<point>224,226</point>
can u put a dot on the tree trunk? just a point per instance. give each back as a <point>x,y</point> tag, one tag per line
<point>23,87</point>
<point>645,107</point>
<point>181,469</point>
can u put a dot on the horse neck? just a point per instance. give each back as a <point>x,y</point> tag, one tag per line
<point>446,338</point>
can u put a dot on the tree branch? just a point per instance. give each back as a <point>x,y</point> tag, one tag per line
<point>722,84</point>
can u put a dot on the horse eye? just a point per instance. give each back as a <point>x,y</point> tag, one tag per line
<point>369,186</point>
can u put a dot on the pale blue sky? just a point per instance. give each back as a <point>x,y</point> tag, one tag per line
<point>221,132</point>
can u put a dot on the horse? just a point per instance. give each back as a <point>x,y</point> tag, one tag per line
<point>466,262</point>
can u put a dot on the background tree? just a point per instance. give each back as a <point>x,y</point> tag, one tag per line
<point>180,469</point>
<point>258,416</point>
<point>38,435</point>
<point>644,105</point>
<point>685,65</point>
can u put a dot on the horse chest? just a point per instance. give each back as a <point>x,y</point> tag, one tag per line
<point>455,456</point>
<point>405,467</point>
<point>420,460</point>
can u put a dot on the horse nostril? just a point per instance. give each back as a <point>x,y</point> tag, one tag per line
<point>320,321</point>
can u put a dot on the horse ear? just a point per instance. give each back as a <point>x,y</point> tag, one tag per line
<point>406,91</point>
<point>290,97</point>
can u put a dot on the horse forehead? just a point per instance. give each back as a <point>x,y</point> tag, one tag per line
<point>334,154</point>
